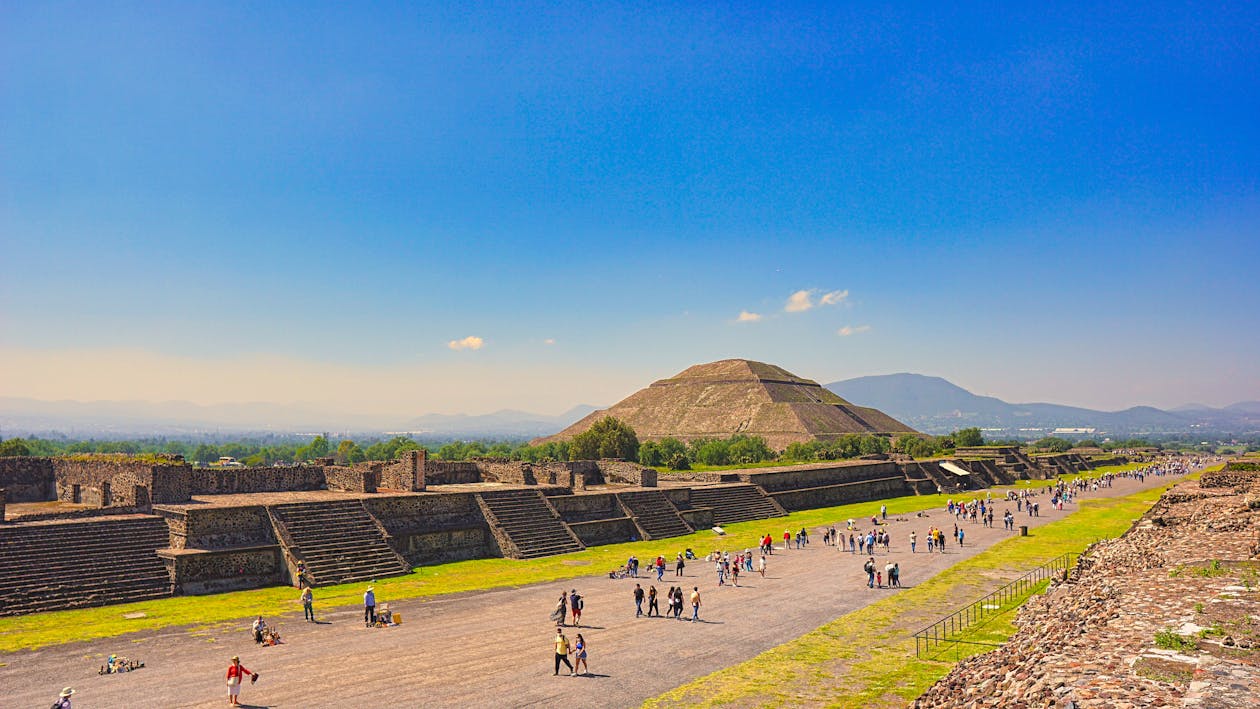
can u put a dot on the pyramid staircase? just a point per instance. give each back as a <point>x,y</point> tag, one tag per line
<point>79,564</point>
<point>340,542</point>
<point>736,503</point>
<point>526,525</point>
<point>655,515</point>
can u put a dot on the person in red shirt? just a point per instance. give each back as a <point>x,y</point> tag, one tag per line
<point>235,673</point>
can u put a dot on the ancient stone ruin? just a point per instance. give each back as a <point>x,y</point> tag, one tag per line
<point>96,529</point>
<point>719,399</point>
<point>1166,615</point>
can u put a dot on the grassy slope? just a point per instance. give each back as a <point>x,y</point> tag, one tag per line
<point>866,658</point>
<point>32,631</point>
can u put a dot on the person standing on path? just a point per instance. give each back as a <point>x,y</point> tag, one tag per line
<point>787,539</point>
<point>869,568</point>
<point>369,606</point>
<point>695,603</point>
<point>679,565</point>
<point>63,700</point>
<point>579,656</point>
<point>308,605</point>
<point>883,511</point>
<point>562,653</point>
<point>235,672</point>
<point>961,533</point>
<point>762,565</point>
<point>653,604</point>
<point>638,600</point>
<point>914,539</point>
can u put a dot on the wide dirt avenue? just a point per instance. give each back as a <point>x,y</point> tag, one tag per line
<point>494,648</point>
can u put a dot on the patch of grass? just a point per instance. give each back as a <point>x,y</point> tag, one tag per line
<point>1213,569</point>
<point>866,658</point>
<point>1169,640</point>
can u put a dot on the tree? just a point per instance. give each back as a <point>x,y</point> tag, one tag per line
<point>968,437</point>
<point>1053,444</point>
<point>349,452</point>
<point>749,449</point>
<point>317,448</point>
<point>650,454</point>
<point>206,453</point>
<point>607,438</point>
<point>14,447</point>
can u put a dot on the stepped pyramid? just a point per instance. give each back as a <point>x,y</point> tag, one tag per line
<point>718,399</point>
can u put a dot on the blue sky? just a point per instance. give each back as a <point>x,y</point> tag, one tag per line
<point>311,202</point>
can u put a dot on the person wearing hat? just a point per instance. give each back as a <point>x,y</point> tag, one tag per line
<point>369,607</point>
<point>235,672</point>
<point>63,701</point>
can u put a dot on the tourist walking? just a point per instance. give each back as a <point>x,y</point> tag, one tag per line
<point>308,605</point>
<point>579,656</point>
<point>695,603</point>
<point>653,605</point>
<point>369,606</point>
<point>235,673</point>
<point>562,653</point>
<point>575,607</point>
<point>914,539</point>
<point>638,600</point>
<point>558,613</point>
<point>961,534</point>
<point>678,565</point>
<point>761,565</point>
<point>63,700</point>
<point>869,568</point>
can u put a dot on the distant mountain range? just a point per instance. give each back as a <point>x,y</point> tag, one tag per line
<point>116,419</point>
<point>935,405</point>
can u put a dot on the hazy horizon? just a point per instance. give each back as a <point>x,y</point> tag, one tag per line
<point>466,209</point>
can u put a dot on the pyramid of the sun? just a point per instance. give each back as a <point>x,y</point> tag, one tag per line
<point>718,399</point>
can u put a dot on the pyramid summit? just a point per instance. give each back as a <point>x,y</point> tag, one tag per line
<point>719,399</point>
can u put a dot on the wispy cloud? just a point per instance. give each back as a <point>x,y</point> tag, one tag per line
<point>835,297</point>
<point>471,342</point>
<point>799,302</point>
<point>745,316</point>
<point>803,300</point>
<point>848,330</point>
<point>549,341</point>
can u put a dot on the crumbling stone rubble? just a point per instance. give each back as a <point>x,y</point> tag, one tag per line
<point>1168,615</point>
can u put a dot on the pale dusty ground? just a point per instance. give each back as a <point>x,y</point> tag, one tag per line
<point>494,648</point>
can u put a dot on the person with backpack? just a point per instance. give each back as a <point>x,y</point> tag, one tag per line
<point>869,568</point>
<point>575,607</point>
<point>63,701</point>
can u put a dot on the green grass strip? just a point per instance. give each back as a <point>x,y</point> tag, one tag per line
<point>866,658</point>
<point>43,629</point>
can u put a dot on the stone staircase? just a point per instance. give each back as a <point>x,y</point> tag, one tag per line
<point>64,565</point>
<point>736,503</point>
<point>654,514</point>
<point>525,525</point>
<point>340,542</point>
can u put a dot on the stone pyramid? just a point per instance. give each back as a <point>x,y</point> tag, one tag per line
<point>718,399</point>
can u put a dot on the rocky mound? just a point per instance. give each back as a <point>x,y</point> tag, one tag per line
<point>718,399</point>
<point>1166,615</point>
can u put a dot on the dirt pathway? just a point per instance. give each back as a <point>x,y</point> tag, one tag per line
<point>493,648</point>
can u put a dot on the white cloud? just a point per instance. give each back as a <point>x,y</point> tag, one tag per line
<point>549,341</point>
<point>471,342</point>
<point>745,316</point>
<point>852,330</point>
<point>835,297</point>
<point>800,301</point>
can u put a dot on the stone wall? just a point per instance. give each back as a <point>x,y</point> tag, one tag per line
<point>1229,478</point>
<point>605,531</point>
<point>698,518</point>
<point>28,479</point>
<point>362,477</point>
<point>218,481</point>
<point>810,476</point>
<point>120,480</point>
<point>511,472</point>
<point>587,507</point>
<point>407,474</point>
<point>616,471</point>
<point>202,572</point>
<point>440,472</point>
<point>217,527</point>
<point>842,493</point>
<point>429,529</point>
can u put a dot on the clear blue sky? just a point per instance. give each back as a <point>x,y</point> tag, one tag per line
<point>317,202</point>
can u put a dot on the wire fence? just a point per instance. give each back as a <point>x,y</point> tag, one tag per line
<point>955,624</point>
